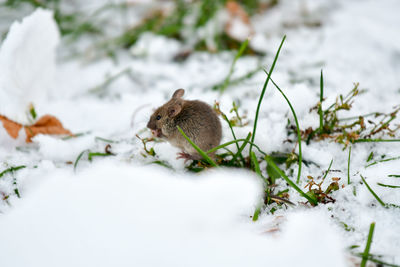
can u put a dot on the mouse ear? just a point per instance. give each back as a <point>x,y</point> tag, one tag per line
<point>178,93</point>
<point>174,110</point>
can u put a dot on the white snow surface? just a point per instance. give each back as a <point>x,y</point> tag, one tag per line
<point>121,215</point>
<point>27,64</point>
<point>124,211</point>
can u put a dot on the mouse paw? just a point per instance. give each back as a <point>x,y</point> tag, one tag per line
<point>185,156</point>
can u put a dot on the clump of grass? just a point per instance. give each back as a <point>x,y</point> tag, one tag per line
<point>353,129</point>
<point>322,196</point>
<point>313,201</point>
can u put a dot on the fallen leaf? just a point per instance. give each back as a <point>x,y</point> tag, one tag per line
<point>238,25</point>
<point>237,11</point>
<point>47,124</point>
<point>11,127</point>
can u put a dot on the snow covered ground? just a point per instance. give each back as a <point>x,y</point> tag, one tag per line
<point>122,211</point>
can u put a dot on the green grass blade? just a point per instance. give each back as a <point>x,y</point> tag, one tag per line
<point>257,212</point>
<point>239,152</point>
<point>375,140</point>
<point>75,135</point>
<point>232,142</point>
<point>33,113</point>
<point>91,155</point>
<point>368,245</point>
<point>243,46</point>
<point>357,117</point>
<point>370,156</point>
<point>198,149</point>
<point>238,80</point>
<point>373,193</point>
<point>233,134</point>
<point>312,200</point>
<point>348,167</point>
<point>263,92</point>
<point>329,168</point>
<point>12,169</point>
<point>256,165</point>
<point>388,185</point>
<point>297,128</point>
<point>321,98</point>
<point>103,86</point>
<point>79,158</point>
<point>98,138</point>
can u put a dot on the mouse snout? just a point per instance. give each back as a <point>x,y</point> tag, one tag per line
<point>156,132</point>
<point>151,125</point>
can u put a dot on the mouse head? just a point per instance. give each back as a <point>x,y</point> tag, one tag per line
<point>163,118</point>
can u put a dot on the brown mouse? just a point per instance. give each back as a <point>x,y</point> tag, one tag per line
<point>197,120</point>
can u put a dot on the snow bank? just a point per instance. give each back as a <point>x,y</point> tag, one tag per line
<point>115,214</point>
<point>27,64</point>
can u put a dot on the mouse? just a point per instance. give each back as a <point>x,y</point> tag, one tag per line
<point>197,120</point>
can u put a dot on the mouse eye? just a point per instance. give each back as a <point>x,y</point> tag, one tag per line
<point>158,117</point>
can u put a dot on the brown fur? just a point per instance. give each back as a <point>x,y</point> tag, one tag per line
<point>196,118</point>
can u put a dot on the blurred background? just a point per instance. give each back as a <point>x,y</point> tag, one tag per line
<point>103,27</point>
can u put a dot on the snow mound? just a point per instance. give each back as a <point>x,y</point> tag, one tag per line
<point>27,64</point>
<point>124,215</point>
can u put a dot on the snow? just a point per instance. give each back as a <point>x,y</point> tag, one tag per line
<point>27,64</point>
<point>123,210</point>
<point>129,215</point>
<point>154,46</point>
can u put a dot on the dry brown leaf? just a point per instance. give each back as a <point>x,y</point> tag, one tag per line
<point>237,13</point>
<point>47,124</point>
<point>11,127</point>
